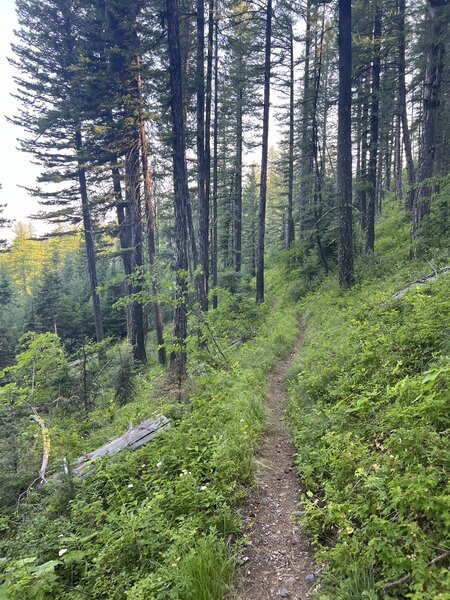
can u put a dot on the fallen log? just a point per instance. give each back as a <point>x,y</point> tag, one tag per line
<point>133,439</point>
<point>433,277</point>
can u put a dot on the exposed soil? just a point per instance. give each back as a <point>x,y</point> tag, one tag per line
<point>277,561</point>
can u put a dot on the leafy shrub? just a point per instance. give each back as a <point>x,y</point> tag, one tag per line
<point>155,523</point>
<point>370,392</point>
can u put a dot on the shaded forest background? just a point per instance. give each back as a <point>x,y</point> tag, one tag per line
<point>180,245</point>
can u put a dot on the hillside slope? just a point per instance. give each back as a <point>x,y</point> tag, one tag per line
<point>370,399</point>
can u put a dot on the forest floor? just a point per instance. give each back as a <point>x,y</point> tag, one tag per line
<point>278,560</point>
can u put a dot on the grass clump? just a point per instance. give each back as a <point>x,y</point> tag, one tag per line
<point>156,523</point>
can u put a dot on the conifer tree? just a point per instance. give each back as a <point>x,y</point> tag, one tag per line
<point>374,129</point>
<point>178,357</point>
<point>49,56</point>
<point>437,29</point>
<point>264,159</point>
<point>344,158</point>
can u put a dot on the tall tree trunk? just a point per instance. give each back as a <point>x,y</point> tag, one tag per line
<point>437,25</point>
<point>151,243</point>
<point>290,233</point>
<point>123,220</point>
<point>215,160</point>
<point>389,145</point>
<point>359,129</point>
<point>344,158</point>
<point>237,186</point>
<point>306,162</point>
<point>362,192</point>
<point>194,253</point>
<point>379,185</point>
<point>398,162</point>
<point>88,238</point>
<point>402,109</point>
<point>401,104</point>
<point>318,170</point>
<point>208,112</point>
<point>186,69</point>
<point>264,160</point>
<point>203,199</point>
<point>178,357</point>
<point>374,130</point>
<point>133,196</point>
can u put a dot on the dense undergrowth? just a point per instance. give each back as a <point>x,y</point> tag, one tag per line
<point>369,390</point>
<point>156,523</point>
<point>370,394</point>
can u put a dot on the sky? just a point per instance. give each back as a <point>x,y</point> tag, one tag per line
<point>15,166</point>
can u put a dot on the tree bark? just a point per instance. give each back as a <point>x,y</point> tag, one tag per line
<point>344,158</point>
<point>374,131</point>
<point>237,187</point>
<point>151,243</point>
<point>318,164</point>
<point>290,233</point>
<point>123,220</point>
<point>362,193</point>
<point>88,238</point>
<point>203,199</point>
<point>437,25</point>
<point>178,356</point>
<point>264,160</point>
<point>215,161</point>
<point>208,112</point>
<point>133,196</point>
<point>306,163</point>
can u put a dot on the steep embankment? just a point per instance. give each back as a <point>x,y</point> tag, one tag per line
<point>370,393</point>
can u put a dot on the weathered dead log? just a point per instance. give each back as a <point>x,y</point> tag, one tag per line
<point>132,439</point>
<point>430,278</point>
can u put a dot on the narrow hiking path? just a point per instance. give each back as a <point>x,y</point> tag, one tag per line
<point>278,560</point>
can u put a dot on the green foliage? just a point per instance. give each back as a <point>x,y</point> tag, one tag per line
<point>26,579</point>
<point>370,393</point>
<point>155,523</point>
<point>41,368</point>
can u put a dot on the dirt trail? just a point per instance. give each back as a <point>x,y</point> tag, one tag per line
<point>277,562</point>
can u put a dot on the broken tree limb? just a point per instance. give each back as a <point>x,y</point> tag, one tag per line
<point>406,578</point>
<point>430,278</point>
<point>40,479</point>
<point>45,450</point>
<point>133,439</point>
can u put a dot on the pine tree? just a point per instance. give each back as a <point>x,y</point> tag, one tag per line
<point>181,190</point>
<point>49,55</point>
<point>374,129</point>
<point>264,159</point>
<point>344,158</point>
